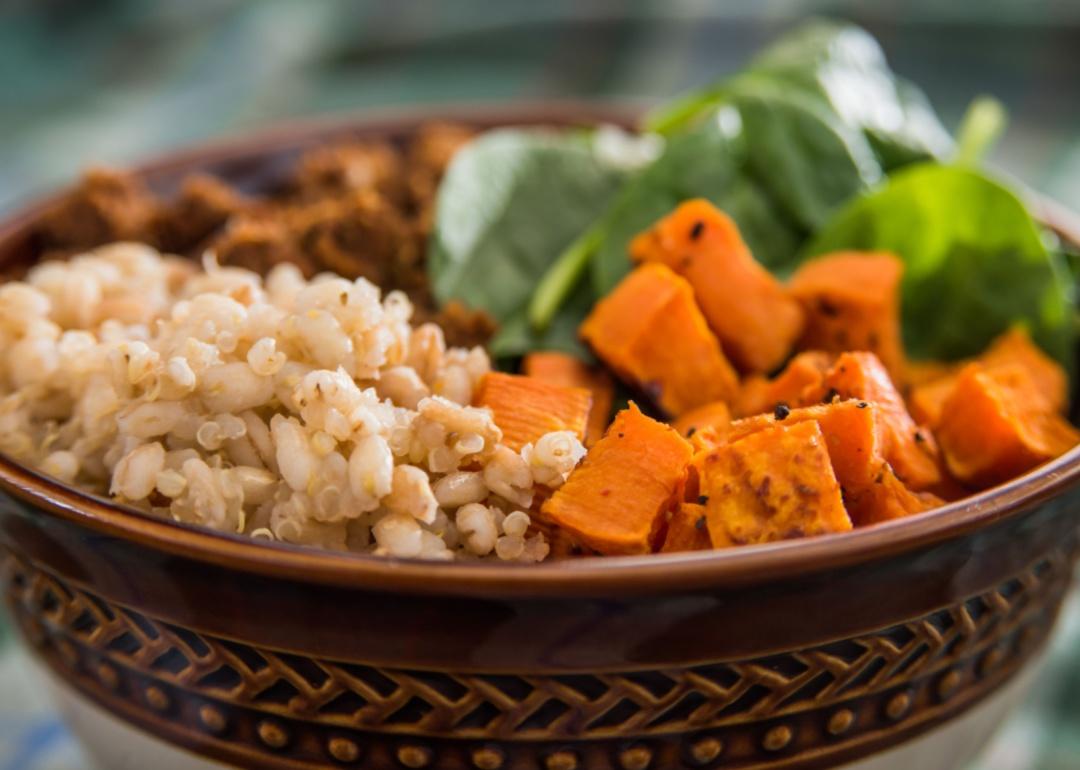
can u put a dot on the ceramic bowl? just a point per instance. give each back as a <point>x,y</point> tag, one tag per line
<point>169,646</point>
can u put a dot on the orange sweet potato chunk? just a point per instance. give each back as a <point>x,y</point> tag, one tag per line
<point>774,484</point>
<point>925,401</point>
<point>1015,347</point>
<point>687,530</point>
<point>616,500</point>
<point>799,383</point>
<point>991,429</point>
<point>650,332</point>
<point>854,434</point>
<point>910,450</point>
<point>922,372</point>
<point>526,408</point>
<point>570,371</point>
<point>748,309</point>
<point>852,302</point>
<point>1048,380</point>
<point>712,417</point>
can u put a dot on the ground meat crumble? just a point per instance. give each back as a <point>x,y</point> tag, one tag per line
<point>357,208</point>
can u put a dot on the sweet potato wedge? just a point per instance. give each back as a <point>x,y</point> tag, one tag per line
<point>922,372</point>
<point>526,408</point>
<point>926,401</point>
<point>1013,348</point>
<point>748,309</point>
<point>570,371</point>
<point>854,433</point>
<point>687,529</point>
<point>713,417</point>
<point>774,484</point>
<point>852,302</point>
<point>616,500</point>
<point>650,332</point>
<point>799,383</point>
<point>991,429</point>
<point>910,450</point>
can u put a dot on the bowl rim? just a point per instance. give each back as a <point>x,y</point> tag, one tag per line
<point>601,575</point>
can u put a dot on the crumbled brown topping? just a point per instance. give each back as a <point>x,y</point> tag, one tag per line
<point>357,208</point>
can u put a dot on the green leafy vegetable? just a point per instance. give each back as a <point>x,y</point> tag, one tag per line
<point>843,68</point>
<point>510,202</point>
<point>807,159</point>
<point>983,123</point>
<point>976,261</point>
<point>517,336</point>
<point>563,276</point>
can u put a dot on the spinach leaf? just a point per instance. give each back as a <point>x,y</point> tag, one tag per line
<point>976,262</point>
<point>842,67</point>
<point>517,336</point>
<point>984,121</point>
<point>807,159</point>
<point>511,200</point>
<point>918,136</point>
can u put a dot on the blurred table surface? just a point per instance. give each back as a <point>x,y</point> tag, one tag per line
<point>114,81</point>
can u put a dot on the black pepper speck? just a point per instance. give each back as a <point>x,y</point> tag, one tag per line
<point>781,411</point>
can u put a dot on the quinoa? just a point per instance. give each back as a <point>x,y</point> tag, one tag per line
<point>307,411</point>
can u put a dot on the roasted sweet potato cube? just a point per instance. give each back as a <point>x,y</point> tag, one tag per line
<point>1048,380</point>
<point>854,434</point>
<point>570,371</point>
<point>650,332</point>
<point>687,529</point>
<point>713,417</point>
<point>1015,348</point>
<point>992,429</point>
<point>774,484</point>
<point>526,408</point>
<point>926,401</point>
<point>887,499</point>
<point>798,383</point>
<point>910,450</point>
<point>616,500</point>
<point>750,311</point>
<point>922,372</point>
<point>852,302</point>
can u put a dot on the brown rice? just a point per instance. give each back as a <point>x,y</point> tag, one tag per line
<point>303,411</point>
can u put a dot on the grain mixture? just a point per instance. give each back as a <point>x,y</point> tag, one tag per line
<point>307,411</point>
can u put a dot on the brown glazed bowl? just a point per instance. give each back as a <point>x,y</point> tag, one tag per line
<point>173,647</point>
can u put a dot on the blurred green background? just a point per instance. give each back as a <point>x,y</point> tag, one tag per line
<point>114,81</point>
